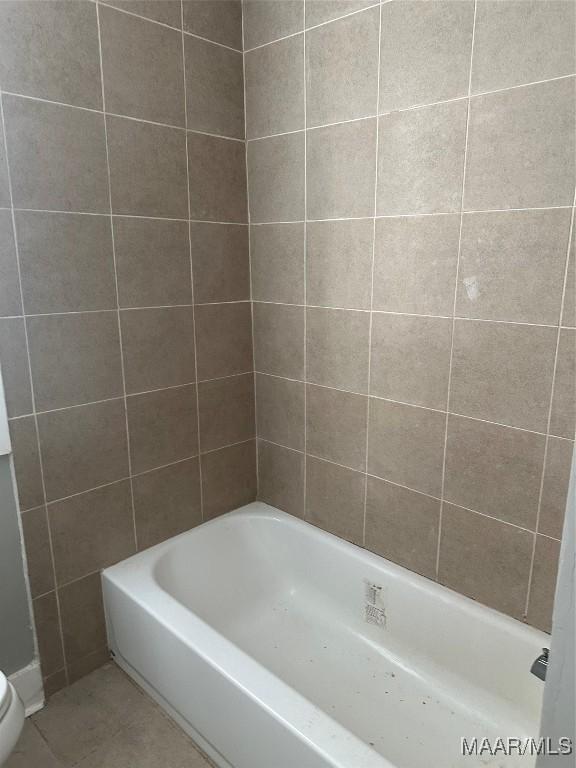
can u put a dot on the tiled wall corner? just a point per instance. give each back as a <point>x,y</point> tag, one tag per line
<point>125,322</point>
<point>411,187</point>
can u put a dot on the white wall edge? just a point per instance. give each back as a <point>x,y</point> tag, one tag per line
<point>5,446</point>
<point>28,685</point>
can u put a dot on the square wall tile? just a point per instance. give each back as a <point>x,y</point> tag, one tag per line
<point>337,348</point>
<point>66,262</point>
<point>279,340</point>
<point>276,178</point>
<point>165,11</point>
<point>267,20</point>
<point>91,531</point>
<point>402,526</point>
<point>163,427</point>
<point>142,68</point>
<point>342,69</point>
<point>521,148</point>
<point>277,258</point>
<point>214,88</point>
<point>485,559</point>
<point>415,264</point>
<point>280,412</point>
<point>47,624</point>
<point>340,170</point>
<point>83,623</point>
<point>543,586</point>
<point>336,426</point>
<point>512,265</point>
<point>411,359</point>
<point>275,88</point>
<point>10,303</point>
<point>406,445</point>
<point>220,22</point>
<point>281,478</point>
<point>24,439</point>
<point>226,411</point>
<point>147,169</point>
<point>224,338</point>
<point>217,170</point>
<point>75,358</point>
<point>228,478</point>
<point>339,263</point>
<point>15,371</point>
<point>502,372</point>
<point>57,156</point>
<point>563,416</point>
<point>421,159</point>
<point>555,487</point>
<point>38,554</point>
<point>221,262</point>
<point>321,11</point>
<point>158,347</point>
<point>167,502</point>
<point>152,262</point>
<point>83,447</point>
<point>516,43</point>
<point>425,52</point>
<point>66,61</point>
<point>335,499</point>
<point>494,470</point>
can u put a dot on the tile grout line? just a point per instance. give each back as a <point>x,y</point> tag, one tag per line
<point>311,27</point>
<point>98,213</point>
<point>298,381</point>
<point>127,216</point>
<point>407,314</point>
<point>549,419</point>
<point>114,261</point>
<point>137,474</point>
<point>126,309</point>
<point>411,405</point>
<point>305,269</point>
<point>469,212</point>
<point>248,217</point>
<point>455,298</point>
<point>129,395</point>
<point>169,26</point>
<point>372,271</point>
<point>191,260</point>
<point>33,401</point>
<point>121,116</point>
<point>405,215</point>
<point>405,487</point>
<point>411,108</point>
<point>497,321</point>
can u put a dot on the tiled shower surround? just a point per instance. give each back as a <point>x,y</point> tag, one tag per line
<point>129,384</point>
<point>410,198</point>
<point>411,191</point>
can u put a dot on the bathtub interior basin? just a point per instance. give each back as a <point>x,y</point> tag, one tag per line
<point>347,650</point>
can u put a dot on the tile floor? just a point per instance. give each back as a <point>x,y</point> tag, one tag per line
<point>104,721</point>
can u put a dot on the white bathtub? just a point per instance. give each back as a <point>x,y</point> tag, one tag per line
<point>276,645</point>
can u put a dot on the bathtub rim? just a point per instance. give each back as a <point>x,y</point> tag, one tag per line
<point>278,698</point>
<point>261,510</point>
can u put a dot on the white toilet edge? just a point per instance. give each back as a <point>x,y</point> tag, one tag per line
<point>11,723</point>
